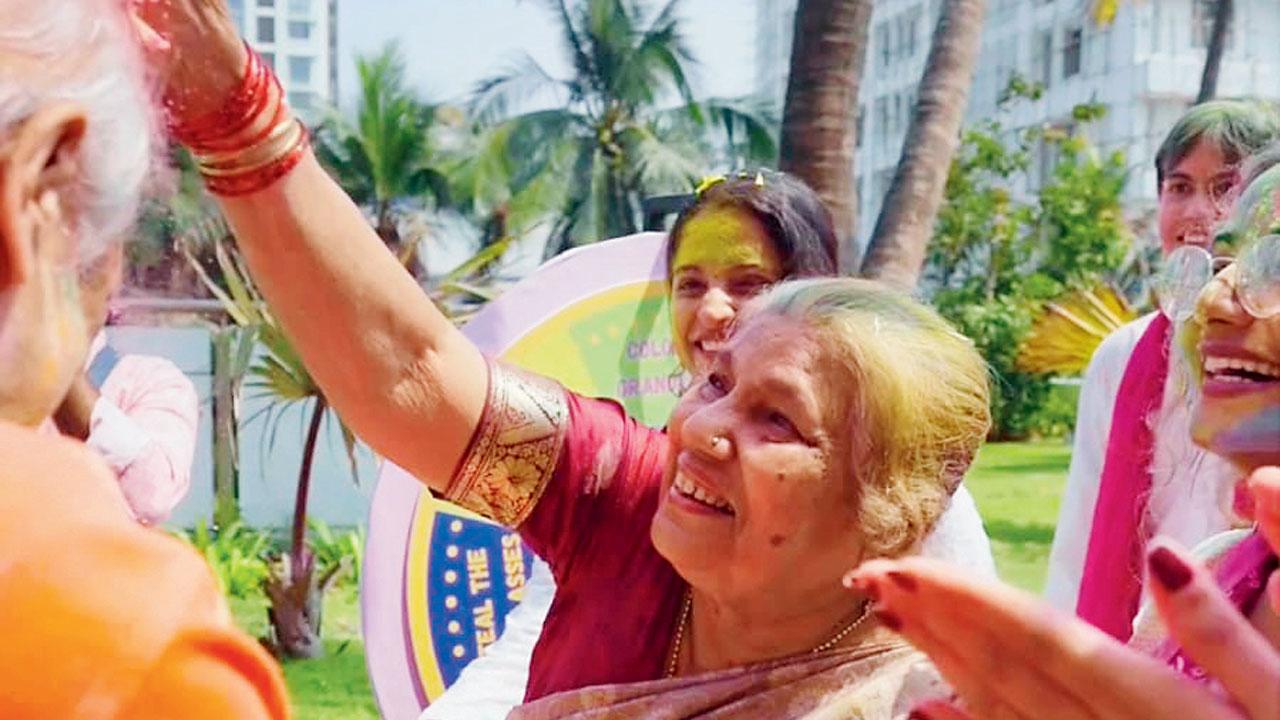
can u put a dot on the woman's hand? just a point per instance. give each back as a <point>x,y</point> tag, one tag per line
<point>1264,486</point>
<point>195,49</point>
<point>1010,655</point>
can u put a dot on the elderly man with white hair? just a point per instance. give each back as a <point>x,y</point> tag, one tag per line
<point>102,618</point>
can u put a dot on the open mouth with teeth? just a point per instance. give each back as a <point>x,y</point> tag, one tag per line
<point>1197,237</point>
<point>710,346</point>
<point>686,489</point>
<point>1240,371</point>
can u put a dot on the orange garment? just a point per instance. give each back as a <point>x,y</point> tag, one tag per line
<point>103,618</point>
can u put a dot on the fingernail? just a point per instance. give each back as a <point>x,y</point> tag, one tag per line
<point>889,620</point>
<point>1168,569</point>
<point>903,580</point>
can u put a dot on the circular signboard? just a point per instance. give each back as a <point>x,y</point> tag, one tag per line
<point>438,581</point>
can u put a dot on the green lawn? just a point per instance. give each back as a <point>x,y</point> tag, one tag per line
<point>335,687</point>
<point>1016,486</point>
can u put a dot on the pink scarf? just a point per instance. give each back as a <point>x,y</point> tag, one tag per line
<point>1112,582</point>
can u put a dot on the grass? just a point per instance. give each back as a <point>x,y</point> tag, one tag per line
<point>1016,485</point>
<point>335,687</point>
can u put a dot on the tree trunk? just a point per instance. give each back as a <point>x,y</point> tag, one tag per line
<point>296,596</point>
<point>828,49</point>
<point>897,250</point>
<point>1213,55</point>
<point>226,470</point>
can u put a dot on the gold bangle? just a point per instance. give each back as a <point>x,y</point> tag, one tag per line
<point>261,155</point>
<point>248,155</point>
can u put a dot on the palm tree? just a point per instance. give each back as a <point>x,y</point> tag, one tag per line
<point>900,241</point>
<point>387,157</point>
<point>1222,13</point>
<point>292,586</point>
<point>818,132</point>
<point>609,139</point>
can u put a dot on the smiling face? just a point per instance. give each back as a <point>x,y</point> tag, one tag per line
<point>1237,413</point>
<point>758,494</point>
<point>724,259</point>
<point>1194,197</point>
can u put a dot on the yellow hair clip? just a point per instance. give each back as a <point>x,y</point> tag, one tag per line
<point>707,183</point>
<point>711,181</point>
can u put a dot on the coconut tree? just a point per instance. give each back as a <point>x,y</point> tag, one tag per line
<point>619,126</point>
<point>900,241</point>
<point>385,157</point>
<point>818,134</point>
<point>1222,12</point>
<point>293,585</point>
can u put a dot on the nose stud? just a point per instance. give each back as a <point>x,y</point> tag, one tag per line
<point>719,444</point>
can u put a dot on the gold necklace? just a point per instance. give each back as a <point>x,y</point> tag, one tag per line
<point>686,611</point>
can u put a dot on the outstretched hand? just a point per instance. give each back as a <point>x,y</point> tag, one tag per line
<point>1010,655</point>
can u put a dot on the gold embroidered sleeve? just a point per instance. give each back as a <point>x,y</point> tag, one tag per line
<point>515,448</point>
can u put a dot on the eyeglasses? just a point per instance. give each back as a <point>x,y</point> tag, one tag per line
<point>1189,269</point>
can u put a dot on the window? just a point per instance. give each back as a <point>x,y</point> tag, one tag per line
<point>911,23</point>
<point>1202,13</point>
<point>1072,46</point>
<point>882,117</point>
<point>880,187</point>
<point>302,101</point>
<point>1042,58</point>
<point>237,13</point>
<point>300,70</point>
<point>859,122</point>
<point>266,30</point>
<point>299,30</point>
<point>270,59</point>
<point>882,42</point>
<point>267,3</point>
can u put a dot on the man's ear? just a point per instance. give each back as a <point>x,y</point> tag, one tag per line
<point>39,161</point>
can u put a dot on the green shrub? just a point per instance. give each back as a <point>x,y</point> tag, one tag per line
<point>333,549</point>
<point>997,254</point>
<point>236,553</point>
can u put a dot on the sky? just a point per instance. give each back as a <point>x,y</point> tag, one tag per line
<point>449,45</point>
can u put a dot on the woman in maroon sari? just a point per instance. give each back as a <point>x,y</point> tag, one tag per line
<point>1010,656</point>
<point>831,426</point>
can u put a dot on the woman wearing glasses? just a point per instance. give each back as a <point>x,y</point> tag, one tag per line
<point>1220,624</point>
<point>1133,474</point>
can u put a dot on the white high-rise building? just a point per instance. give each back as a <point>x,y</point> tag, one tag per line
<point>299,38</point>
<point>1145,67</point>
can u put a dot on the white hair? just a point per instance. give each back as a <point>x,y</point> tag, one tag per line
<point>84,51</point>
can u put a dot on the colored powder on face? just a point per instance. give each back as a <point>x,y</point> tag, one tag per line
<point>1258,434</point>
<point>718,238</point>
<point>1255,215</point>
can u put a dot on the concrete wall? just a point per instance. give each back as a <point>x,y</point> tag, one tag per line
<point>268,470</point>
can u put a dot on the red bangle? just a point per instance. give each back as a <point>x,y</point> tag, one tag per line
<point>217,129</point>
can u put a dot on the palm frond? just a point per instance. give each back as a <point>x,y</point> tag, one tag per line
<point>495,98</point>
<point>662,164</point>
<point>1068,331</point>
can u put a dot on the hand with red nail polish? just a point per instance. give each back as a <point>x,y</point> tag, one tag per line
<point>1008,654</point>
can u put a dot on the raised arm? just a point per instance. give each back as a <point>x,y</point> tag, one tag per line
<point>408,382</point>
